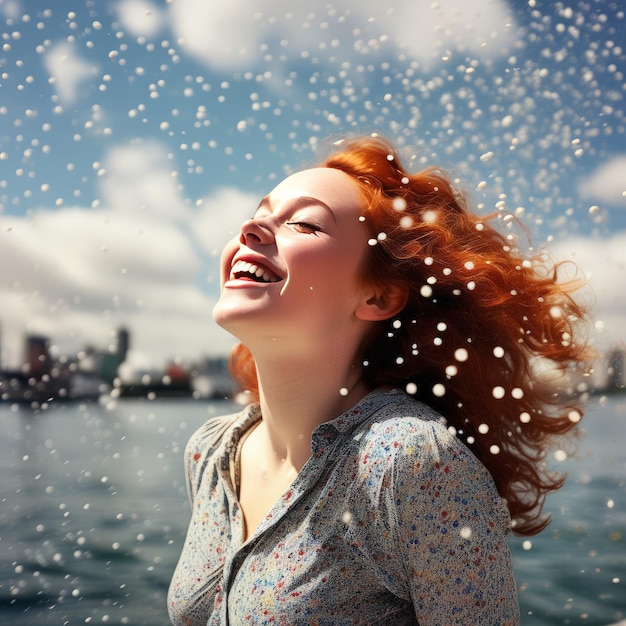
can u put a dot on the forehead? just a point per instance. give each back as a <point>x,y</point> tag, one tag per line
<point>333,187</point>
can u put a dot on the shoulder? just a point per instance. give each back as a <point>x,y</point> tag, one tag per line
<point>209,436</point>
<point>413,439</point>
<point>402,423</point>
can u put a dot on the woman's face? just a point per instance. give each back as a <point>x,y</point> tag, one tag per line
<point>294,270</point>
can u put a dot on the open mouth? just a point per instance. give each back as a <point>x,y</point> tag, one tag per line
<point>242,270</point>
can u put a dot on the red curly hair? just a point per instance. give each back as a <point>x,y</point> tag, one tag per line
<point>478,320</point>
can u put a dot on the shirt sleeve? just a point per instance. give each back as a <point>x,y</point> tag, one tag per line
<point>451,529</point>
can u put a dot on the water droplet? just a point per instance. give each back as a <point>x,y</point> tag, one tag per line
<point>498,392</point>
<point>574,416</point>
<point>461,355</point>
<point>465,532</point>
<point>411,388</point>
<point>439,390</point>
<point>399,204</point>
<point>556,312</point>
<point>430,216</point>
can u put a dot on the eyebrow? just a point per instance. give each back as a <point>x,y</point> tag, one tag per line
<point>300,202</point>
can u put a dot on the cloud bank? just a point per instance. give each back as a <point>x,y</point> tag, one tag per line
<point>239,34</point>
<point>603,262</point>
<point>142,260</point>
<point>607,184</point>
<point>140,17</point>
<point>67,70</point>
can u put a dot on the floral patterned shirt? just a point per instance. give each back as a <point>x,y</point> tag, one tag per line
<point>392,520</point>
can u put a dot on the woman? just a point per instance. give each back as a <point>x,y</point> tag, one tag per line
<point>398,429</point>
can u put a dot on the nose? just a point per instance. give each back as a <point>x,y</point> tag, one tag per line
<point>255,231</point>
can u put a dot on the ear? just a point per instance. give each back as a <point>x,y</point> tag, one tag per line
<point>382,303</point>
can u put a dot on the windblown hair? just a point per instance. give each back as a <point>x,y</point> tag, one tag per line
<point>481,328</point>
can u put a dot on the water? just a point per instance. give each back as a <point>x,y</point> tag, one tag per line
<point>93,511</point>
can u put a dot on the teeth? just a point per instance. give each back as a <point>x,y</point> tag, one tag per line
<point>254,270</point>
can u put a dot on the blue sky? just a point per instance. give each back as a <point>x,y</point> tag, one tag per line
<point>135,136</point>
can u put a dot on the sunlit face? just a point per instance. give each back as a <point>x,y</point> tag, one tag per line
<point>294,270</point>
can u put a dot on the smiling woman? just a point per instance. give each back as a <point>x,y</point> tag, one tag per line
<point>397,429</point>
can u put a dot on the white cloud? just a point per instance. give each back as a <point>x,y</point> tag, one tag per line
<point>427,30</point>
<point>80,273</point>
<point>607,183</point>
<point>141,260</point>
<point>603,262</point>
<point>220,34</point>
<point>239,33</point>
<point>67,70</point>
<point>140,17</point>
<point>11,9</point>
<point>139,180</point>
<point>220,217</point>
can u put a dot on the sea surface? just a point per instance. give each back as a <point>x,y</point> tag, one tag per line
<point>93,513</point>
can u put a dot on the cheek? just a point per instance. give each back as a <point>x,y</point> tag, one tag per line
<point>332,272</point>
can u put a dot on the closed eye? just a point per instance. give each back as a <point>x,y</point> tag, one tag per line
<point>305,227</point>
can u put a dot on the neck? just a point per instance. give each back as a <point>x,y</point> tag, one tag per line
<point>299,394</point>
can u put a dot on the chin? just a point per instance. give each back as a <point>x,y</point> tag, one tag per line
<point>233,318</point>
<point>222,313</point>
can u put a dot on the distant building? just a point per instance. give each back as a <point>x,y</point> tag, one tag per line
<point>111,361</point>
<point>37,355</point>
<point>615,380</point>
<point>122,344</point>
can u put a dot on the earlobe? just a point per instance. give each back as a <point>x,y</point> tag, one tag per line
<point>383,303</point>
